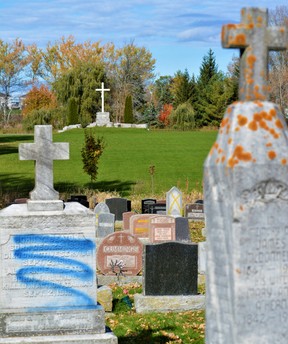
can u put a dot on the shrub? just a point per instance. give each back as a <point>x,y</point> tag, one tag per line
<point>183,117</point>
<point>73,117</point>
<point>54,117</point>
<point>128,111</point>
<point>91,152</point>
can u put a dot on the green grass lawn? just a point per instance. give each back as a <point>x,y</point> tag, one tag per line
<point>178,158</point>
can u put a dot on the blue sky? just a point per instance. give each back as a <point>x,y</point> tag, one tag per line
<point>178,33</point>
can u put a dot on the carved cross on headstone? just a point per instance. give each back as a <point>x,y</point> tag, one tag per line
<point>102,90</point>
<point>255,39</point>
<point>43,151</point>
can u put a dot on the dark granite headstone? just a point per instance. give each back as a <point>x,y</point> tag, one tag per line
<point>82,199</point>
<point>195,211</point>
<point>182,229</point>
<point>157,208</point>
<point>118,206</point>
<point>170,268</point>
<point>145,203</point>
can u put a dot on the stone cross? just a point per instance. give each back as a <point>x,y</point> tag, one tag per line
<point>102,90</point>
<point>255,39</point>
<point>44,151</point>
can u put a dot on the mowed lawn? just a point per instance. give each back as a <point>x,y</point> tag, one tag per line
<point>178,157</point>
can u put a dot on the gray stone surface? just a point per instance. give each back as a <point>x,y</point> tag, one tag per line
<point>246,198</point>
<point>202,261</point>
<point>44,151</point>
<point>174,205</point>
<point>102,119</point>
<point>106,224</point>
<point>105,338</point>
<point>118,206</point>
<point>181,303</point>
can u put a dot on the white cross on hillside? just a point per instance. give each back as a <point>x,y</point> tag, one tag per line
<point>102,90</point>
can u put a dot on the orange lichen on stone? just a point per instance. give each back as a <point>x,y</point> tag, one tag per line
<point>241,207</point>
<point>266,116</point>
<point>220,151</point>
<point>231,26</point>
<point>257,102</point>
<point>257,117</point>
<point>228,128</point>
<point>217,160</point>
<point>263,125</point>
<point>239,154</point>
<point>229,140</point>
<point>269,144</point>
<point>251,59</point>
<point>242,120</point>
<point>253,125</point>
<point>239,39</point>
<point>278,124</point>
<point>272,155</point>
<point>272,112</point>
<point>259,19</point>
<point>237,129</point>
<point>223,159</point>
<point>224,122</point>
<point>284,161</point>
<point>229,110</point>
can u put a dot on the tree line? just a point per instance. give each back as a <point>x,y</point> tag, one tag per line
<point>63,76</point>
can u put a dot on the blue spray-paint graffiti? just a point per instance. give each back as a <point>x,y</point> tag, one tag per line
<point>40,248</point>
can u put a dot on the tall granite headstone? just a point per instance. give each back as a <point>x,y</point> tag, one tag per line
<point>48,262</point>
<point>118,206</point>
<point>246,200</point>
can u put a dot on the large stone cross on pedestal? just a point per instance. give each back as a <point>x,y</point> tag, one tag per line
<point>255,39</point>
<point>102,90</point>
<point>44,151</point>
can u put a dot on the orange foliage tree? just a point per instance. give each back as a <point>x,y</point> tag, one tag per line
<point>39,98</point>
<point>165,113</point>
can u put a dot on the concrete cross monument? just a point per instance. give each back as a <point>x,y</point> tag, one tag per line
<point>44,151</point>
<point>246,200</point>
<point>102,118</point>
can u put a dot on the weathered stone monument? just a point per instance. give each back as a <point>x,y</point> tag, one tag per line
<point>246,199</point>
<point>174,202</point>
<point>48,261</point>
<point>102,118</point>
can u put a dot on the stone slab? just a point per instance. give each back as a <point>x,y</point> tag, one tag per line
<point>72,322</point>
<point>105,338</point>
<point>105,297</point>
<point>202,257</point>
<point>55,205</point>
<point>148,304</point>
<point>106,280</point>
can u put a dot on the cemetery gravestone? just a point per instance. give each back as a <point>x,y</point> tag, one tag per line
<point>161,228</point>
<point>44,151</point>
<point>106,224</point>
<point>174,202</point>
<point>120,247</point>
<point>182,229</point>
<point>101,208</point>
<point>170,269</point>
<point>126,219</point>
<point>118,206</point>
<point>195,211</point>
<point>246,188</point>
<point>145,203</point>
<point>139,225</point>
<point>157,208</point>
<point>48,266</point>
<point>82,199</point>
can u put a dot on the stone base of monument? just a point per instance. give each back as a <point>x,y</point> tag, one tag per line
<point>102,119</point>
<point>171,303</point>
<point>106,338</point>
<point>53,205</point>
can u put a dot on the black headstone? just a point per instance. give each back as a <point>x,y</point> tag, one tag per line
<point>157,208</point>
<point>182,229</point>
<point>145,203</point>
<point>82,199</point>
<point>195,211</point>
<point>118,206</point>
<point>170,268</point>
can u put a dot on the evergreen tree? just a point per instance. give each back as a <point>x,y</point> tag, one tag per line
<point>208,69</point>
<point>73,117</point>
<point>128,111</point>
<point>183,88</point>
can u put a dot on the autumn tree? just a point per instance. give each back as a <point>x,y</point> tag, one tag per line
<point>165,113</point>
<point>13,63</point>
<point>278,66</point>
<point>129,69</point>
<point>39,98</point>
